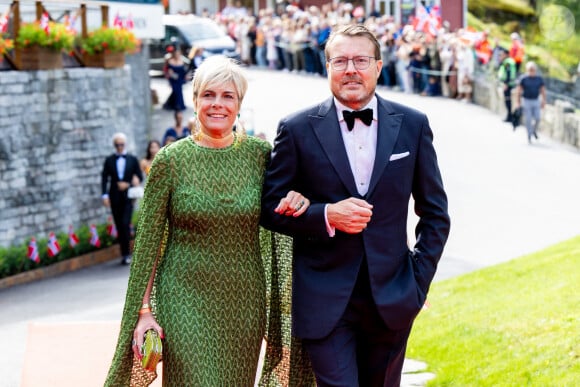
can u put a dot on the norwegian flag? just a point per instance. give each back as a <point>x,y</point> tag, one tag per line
<point>4,23</point>
<point>118,21</point>
<point>33,251</point>
<point>44,22</point>
<point>52,245</point>
<point>112,229</point>
<point>129,23</point>
<point>95,241</point>
<point>73,239</point>
<point>427,20</point>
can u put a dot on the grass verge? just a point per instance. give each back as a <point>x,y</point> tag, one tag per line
<point>514,324</point>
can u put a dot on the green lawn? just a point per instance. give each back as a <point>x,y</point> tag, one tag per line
<point>514,324</point>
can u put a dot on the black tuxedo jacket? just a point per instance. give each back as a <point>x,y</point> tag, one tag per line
<point>109,177</point>
<point>309,157</point>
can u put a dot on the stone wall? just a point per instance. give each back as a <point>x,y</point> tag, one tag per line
<point>55,132</point>
<point>559,118</point>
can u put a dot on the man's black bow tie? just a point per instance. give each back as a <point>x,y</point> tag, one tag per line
<point>119,156</point>
<point>366,116</point>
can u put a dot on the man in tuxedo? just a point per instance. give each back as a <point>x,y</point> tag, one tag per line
<point>118,175</point>
<point>357,284</point>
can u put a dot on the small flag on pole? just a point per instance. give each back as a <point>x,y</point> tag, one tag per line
<point>112,229</point>
<point>95,241</point>
<point>117,21</point>
<point>73,239</point>
<point>4,23</point>
<point>52,245</point>
<point>129,24</point>
<point>44,22</point>
<point>33,251</point>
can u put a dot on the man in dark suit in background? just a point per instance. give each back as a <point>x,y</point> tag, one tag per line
<point>118,175</point>
<point>357,284</point>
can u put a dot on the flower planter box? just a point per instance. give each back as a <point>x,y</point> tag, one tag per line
<point>107,60</point>
<point>89,259</point>
<point>39,58</point>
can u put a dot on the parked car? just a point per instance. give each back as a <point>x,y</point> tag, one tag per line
<point>187,31</point>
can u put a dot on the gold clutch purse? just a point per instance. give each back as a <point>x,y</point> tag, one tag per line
<point>151,350</point>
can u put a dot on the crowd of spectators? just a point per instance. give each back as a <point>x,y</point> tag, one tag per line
<point>422,56</point>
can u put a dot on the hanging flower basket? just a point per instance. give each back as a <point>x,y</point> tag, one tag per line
<point>39,58</point>
<point>41,47</point>
<point>107,60</point>
<point>106,47</point>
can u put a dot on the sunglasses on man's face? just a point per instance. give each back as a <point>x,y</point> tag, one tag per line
<point>119,145</point>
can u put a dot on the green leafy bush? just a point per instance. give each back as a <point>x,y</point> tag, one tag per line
<point>14,260</point>
<point>56,36</point>
<point>107,39</point>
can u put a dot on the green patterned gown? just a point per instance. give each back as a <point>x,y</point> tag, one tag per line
<point>202,205</point>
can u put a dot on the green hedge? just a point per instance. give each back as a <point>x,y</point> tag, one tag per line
<point>14,260</point>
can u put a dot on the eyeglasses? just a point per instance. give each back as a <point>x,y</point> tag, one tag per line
<point>119,144</point>
<point>340,63</point>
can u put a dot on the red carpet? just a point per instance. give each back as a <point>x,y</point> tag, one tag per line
<point>69,354</point>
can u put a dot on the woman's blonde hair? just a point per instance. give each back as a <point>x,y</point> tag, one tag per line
<point>219,70</point>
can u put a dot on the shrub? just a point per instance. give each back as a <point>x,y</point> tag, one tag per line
<point>56,36</point>
<point>107,39</point>
<point>5,46</point>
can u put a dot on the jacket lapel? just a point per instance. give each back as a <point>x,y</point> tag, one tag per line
<point>388,131</point>
<point>327,130</point>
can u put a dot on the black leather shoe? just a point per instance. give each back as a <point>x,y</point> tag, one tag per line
<point>126,260</point>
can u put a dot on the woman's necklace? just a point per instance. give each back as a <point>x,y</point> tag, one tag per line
<point>208,141</point>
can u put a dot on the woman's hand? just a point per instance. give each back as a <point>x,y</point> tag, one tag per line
<point>146,321</point>
<point>294,204</point>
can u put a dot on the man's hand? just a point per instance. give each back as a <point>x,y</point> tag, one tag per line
<point>123,185</point>
<point>350,215</point>
<point>106,202</point>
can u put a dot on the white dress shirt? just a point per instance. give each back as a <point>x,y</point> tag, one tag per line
<point>361,148</point>
<point>360,144</point>
<point>121,162</point>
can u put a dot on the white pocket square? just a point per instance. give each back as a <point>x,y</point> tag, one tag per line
<point>397,156</point>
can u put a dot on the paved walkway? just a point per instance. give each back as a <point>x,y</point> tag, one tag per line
<point>506,199</point>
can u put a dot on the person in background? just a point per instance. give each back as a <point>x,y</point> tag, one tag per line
<point>153,147</point>
<point>507,75</point>
<point>198,277</point>
<point>532,99</point>
<point>517,50</point>
<point>465,62</point>
<point>195,58</point>
<point>357,284</point>
<point>177,131</point>
<point>119,171</point>
<point>175,73</point>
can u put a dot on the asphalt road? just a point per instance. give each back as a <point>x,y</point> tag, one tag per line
<point>506,199</point>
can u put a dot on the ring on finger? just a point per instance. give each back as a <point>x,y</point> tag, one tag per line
<point>299,205</point>
<point>134,343</point>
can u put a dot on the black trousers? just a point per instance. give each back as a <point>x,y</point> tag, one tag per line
<point>361,350</point>
<point>122,212</point>
<point>507,94</point>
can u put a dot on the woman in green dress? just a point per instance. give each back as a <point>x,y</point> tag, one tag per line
<point>198,276</point>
